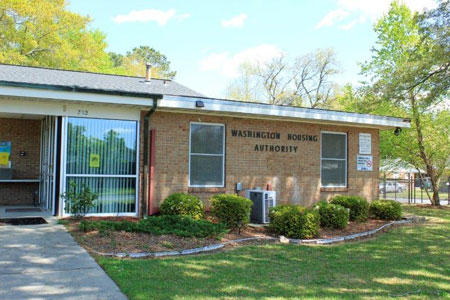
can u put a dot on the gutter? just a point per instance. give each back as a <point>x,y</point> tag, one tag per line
<point>149,160</point>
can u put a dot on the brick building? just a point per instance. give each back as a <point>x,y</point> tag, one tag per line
<point>135,140</point>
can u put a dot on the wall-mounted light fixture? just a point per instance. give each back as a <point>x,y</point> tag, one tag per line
<point>397,131</point>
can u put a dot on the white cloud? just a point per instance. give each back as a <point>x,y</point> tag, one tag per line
<point>183,17</point>
<point>237,21</point>
<point>332,17</point>
<point>348,26</point>
<point>150,15</point>
<point>228,64</point>
<point>355,12</point>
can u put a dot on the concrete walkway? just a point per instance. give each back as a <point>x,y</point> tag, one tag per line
<point>44,262</point>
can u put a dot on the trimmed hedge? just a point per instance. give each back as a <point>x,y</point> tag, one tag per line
<point>386,210</point>
<point>177,225</point>
<point>183,205</point>
<point>359,207</point>
<point>231,210</point>
<point>294,221</point>
<point>333,215</point>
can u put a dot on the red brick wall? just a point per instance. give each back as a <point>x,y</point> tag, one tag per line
<point>24,135</point>
<point>295,176</point>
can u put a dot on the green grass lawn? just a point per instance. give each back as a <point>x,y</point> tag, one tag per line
<point>411,262</point>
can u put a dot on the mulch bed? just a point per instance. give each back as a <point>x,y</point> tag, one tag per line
<point>121,241</point>
<point>353,227</point>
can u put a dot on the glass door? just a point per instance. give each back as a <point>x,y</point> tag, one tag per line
<point>102,155</point>
<point>48,162</point>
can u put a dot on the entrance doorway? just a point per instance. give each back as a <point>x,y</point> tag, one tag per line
<point>49,150</point>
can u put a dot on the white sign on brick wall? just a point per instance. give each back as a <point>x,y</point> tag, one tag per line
<point>365,143</point>
<point>364,162</point>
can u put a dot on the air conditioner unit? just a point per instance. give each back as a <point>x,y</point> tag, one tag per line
<point>262,202</point>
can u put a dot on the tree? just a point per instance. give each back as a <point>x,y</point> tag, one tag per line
<point>409,72</point>
<point>276,80</point>
<point>306,81</point>
<point>312,77</point>
<point>133,63</point>
<point>245,87</point>
<point>44,33</point>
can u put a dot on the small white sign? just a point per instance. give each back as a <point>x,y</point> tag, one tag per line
<point>365,143</point>
<point>364,162</point>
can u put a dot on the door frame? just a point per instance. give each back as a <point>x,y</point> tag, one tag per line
<point>48,161</point>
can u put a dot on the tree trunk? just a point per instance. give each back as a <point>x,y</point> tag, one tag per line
<point>428,165</point>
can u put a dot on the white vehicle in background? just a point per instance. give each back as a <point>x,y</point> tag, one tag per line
<point>392,187</point>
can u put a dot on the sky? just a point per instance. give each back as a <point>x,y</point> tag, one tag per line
<point>206,41</point>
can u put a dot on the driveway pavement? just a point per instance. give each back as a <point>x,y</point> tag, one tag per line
<point>44,262</point>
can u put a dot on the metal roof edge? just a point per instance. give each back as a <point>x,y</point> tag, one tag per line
<point>78,89</point>
<point>212,105</point>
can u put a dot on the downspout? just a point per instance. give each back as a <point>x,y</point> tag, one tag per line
<point>148,184</point>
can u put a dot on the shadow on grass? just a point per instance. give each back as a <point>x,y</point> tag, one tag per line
<point>408,262</point>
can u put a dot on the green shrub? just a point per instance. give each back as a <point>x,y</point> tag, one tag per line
<point>359,207</point>
<point>333,215</point>
<point>294,221</point>
<point>386,210</point>
<point>183,205</point>
<point>181,226</point>
<point>231,210</point>
<point>79,200</point>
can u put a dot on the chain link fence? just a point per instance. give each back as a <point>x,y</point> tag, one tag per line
<point>413,190</point>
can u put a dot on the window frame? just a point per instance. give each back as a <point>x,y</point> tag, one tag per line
<point>338,159</point>
<point>64,175</point>
<point>205,154</point>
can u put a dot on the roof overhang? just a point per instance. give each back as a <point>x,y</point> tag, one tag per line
<point>276,112</point>
<point>77,94</point>
<point>211,106</point>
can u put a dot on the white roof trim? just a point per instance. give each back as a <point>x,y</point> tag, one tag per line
<point>258,110</point>
<point>74,96</point>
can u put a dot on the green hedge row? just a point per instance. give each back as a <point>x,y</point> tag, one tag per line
<point>181,226</point>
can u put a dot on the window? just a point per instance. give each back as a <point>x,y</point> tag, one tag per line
<point>333,169</point>
<point>102,154</point>
<point>207,155</point>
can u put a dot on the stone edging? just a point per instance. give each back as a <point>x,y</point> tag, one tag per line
<point>281,239</point>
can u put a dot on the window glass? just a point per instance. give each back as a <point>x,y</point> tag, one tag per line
<point>333,172</point>
<point>206,170</point>
<point>206,139</point>
<point>115,195</point>
<point>101,154</point>
<point>96,146</point>
<point>334,159</point>
<point>207,155</point>
<point>333,145</point>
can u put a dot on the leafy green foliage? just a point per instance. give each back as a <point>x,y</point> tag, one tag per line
<point>386,210</point>
<point>45,33</point>
<point>177,225</point>
<point>232,210</point>
<point>134,62</point>
<point>333,215</point>
<point>79,200</point>
<point>409,72</point>
<point>183,205</point>
<point>294,221</point>
<point>358,206</point>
